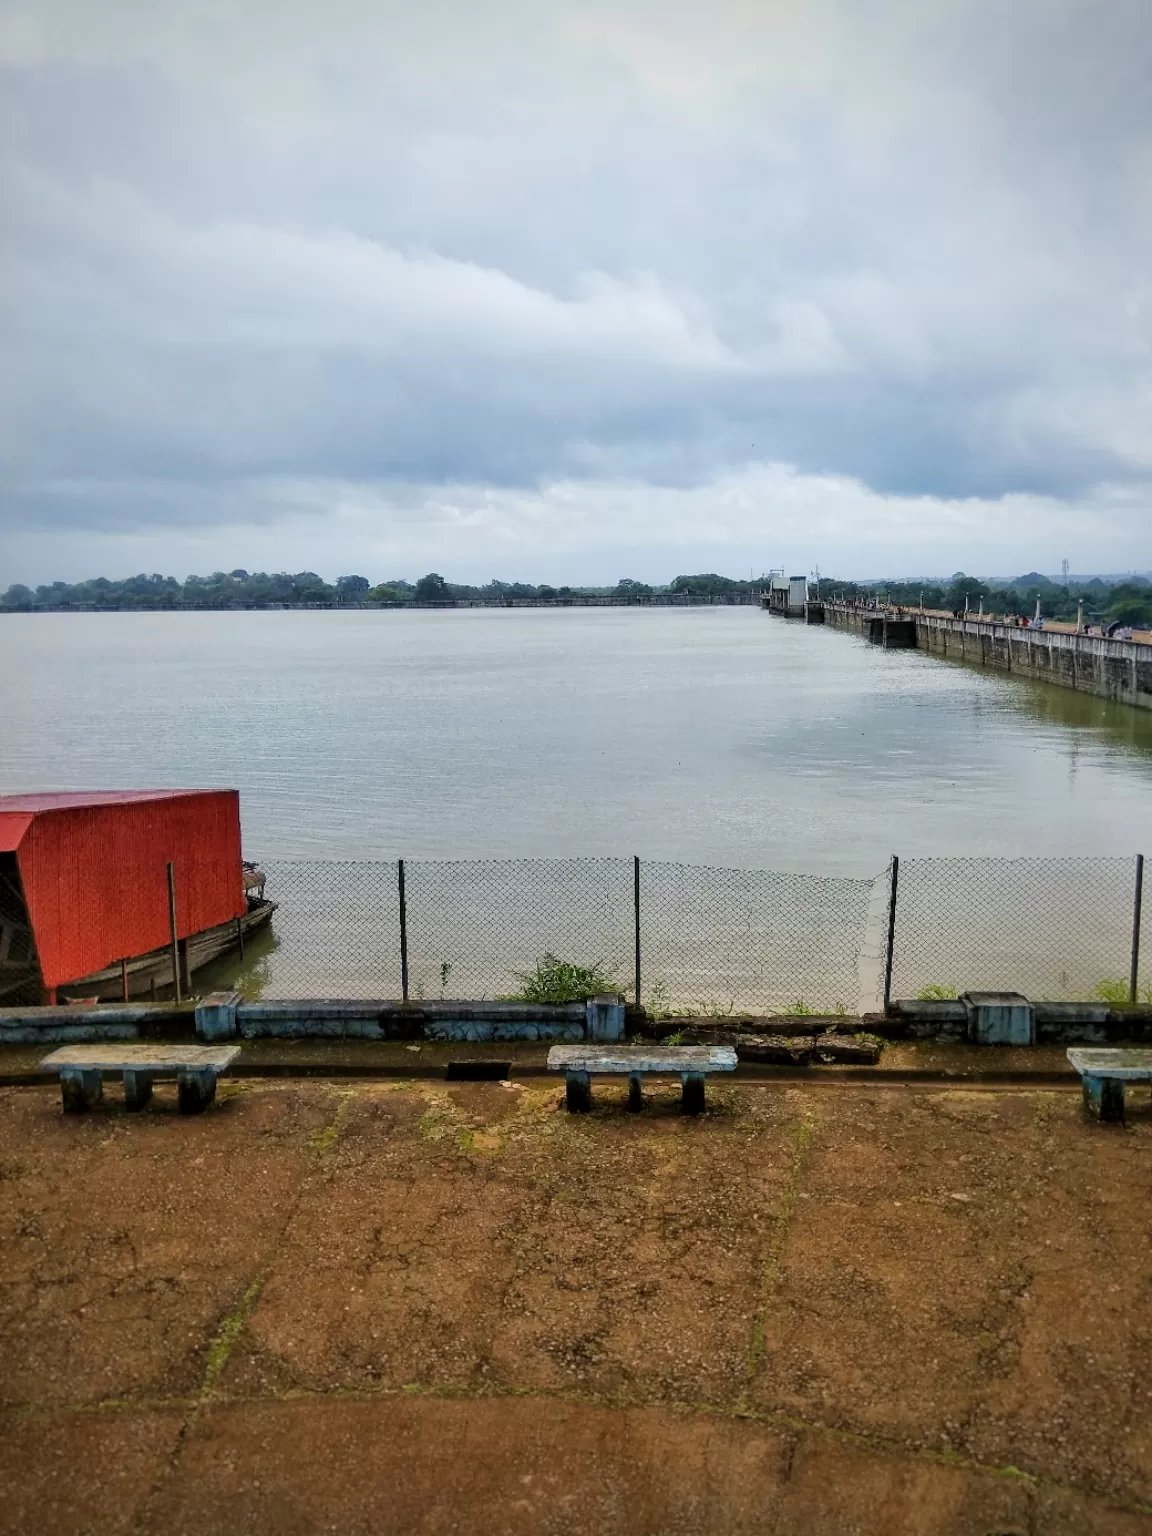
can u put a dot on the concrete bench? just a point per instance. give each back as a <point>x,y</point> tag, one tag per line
<point>82,1069</point>
<point>1104,1073</point>
<point>580,1063</point>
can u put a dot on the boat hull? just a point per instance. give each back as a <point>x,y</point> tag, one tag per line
<point>149,974</point>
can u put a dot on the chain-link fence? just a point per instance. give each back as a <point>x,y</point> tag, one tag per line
<point>475,928</point>
<point>335,932</point>
<point>1049,928</point>
<point>724,940</point>
<point>709,940</point>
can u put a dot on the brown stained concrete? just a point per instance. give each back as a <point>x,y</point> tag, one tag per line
<point>416,1306</point>
<point>996,1239</point>
<point>124,1238</point>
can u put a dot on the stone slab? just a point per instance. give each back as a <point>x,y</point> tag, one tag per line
<point>1127,1065</point>
<point>627,1060</point>
<point>152,1056</point>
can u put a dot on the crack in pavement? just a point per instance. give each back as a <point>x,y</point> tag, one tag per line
<point>235,1319</point>
<point>771,1280</point>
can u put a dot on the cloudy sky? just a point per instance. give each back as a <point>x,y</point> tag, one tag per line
<point>569,291</point>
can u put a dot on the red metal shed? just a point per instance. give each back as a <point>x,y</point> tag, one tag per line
<point>93,868</point>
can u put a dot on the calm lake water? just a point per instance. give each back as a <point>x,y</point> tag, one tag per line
<point>710,735</point>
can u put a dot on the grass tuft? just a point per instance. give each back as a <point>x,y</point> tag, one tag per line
<point>561,981</point>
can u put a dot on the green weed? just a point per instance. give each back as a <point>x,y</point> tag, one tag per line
<point>1111,991</point>
<point>560,981</point>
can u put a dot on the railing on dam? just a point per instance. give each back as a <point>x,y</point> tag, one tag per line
<point>691,938</point>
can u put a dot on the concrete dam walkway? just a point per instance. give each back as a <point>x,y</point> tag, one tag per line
<point>1119,670</point>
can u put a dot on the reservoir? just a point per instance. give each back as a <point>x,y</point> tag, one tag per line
<point>709,735</point>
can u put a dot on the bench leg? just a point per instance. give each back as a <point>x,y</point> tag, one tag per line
<point>578,1087</point>
<point>195,1091</point>
<point>635,1097</point>
<point>79,1089</point>
<point>1104,1097</point>
<point>693,1095</point>
<point>137,1089</point>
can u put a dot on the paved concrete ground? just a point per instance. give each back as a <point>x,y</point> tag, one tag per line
<point>414,1306</point>
<point>303,1056</point>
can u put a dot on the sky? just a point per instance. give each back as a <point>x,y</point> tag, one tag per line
<point>568,292</point>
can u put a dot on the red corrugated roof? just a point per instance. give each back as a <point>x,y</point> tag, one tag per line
<point>12,829</point>
<point>72,799</point>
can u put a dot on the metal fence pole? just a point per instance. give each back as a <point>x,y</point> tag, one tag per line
<point>403,932</point>
<point>175,942</point>
<point>636,918</point>
<point>891,933</point>
<point>1138,902</point>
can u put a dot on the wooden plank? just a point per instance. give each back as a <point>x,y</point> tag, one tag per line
<point>628,1060</point>
<point>121,1056</point>
<point>1126,1064</point>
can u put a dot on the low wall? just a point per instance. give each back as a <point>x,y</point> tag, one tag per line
<point>1120,670</point>
<point>563,1023</point>
<point>224,1016</point>
<point>79,1024</point>
<point>1056,1023</point>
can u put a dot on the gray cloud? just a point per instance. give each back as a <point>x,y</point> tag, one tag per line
<point>637,251</point>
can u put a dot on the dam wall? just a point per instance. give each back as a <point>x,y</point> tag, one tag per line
<point>1120,670</point>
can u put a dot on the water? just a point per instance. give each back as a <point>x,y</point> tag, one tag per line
<point>720,736</point>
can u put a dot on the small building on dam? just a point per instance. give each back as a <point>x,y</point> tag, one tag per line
<point>787,596</point>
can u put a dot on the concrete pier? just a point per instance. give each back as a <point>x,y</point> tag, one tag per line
<point>1120,670</point>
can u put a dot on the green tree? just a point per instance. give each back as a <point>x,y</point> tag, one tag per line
<point>432,589</point>
<point>352,589</point>
<point>709,584</point>
<point>1130,604</point>
<point>961,587</point>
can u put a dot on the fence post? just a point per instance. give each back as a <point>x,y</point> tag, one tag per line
<point>403,933</point>
<point>895,877</point>
<point>1138,902</point>
<point>636,918</point>
<point>173,940</point>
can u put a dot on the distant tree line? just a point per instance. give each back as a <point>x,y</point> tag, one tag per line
<point>1125,602</point>
<point>1128,601</point>
<point>258,589</point>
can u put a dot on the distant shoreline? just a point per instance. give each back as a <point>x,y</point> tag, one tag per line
<point>653,600</point>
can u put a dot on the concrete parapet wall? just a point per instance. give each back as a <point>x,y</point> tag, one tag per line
<point>223,1015</point>
<point>79,1024</point>
<point>1120,670</point>
<point>374,1020</point>
<point>1086,1023</point>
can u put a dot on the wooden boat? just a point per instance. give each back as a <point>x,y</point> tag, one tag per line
<point>150,975</point>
